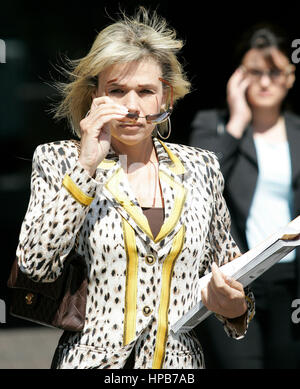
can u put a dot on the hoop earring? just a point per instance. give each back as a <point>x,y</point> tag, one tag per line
<point>169,131</point>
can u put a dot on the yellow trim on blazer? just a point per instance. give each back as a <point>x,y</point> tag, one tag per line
<point>76,192</point>
<point>131,283</point>
<point>106,164</point>
<point>178,167</point>
<point>167,272</point>
<point>180,196</point>
<point>134,211</point>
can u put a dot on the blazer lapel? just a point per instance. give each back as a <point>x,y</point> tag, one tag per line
<point>116,188</point>
<point>171,174</point>
<point>126,203</point>
<point>293,135</point>
<point>247,146</point>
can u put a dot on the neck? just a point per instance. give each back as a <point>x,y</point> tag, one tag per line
<point>265,118</point>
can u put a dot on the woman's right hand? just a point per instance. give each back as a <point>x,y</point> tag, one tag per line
<point>240,112</point>
<point>95,131</point>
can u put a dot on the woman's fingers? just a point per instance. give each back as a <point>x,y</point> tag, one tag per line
<point>101,114</point>
<point>238,82</point>
<point>223,282</point>
<point>240,112</point>
<point>244,84</point>
<point>217,281</point>
<point>236,78</point>
<point>97,119</point>
<point>224,295</point>
<point>234,284</point>
<point>107,101</point>
<point>105,108</point>
<point>96,131</point>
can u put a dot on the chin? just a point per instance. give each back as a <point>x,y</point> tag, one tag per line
<point>130,139</point>
<point>258,101</point>
<point>265,103</point>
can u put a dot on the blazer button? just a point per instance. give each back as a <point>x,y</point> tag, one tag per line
<point>150,259</point>
<point>147,310</point>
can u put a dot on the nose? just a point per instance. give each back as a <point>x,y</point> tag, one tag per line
<point>131,101</point>
<point>265,80</point>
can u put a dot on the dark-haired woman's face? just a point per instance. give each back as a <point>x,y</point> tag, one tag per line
<point>271,76</point>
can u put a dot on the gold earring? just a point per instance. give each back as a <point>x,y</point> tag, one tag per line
<point>169,131</point>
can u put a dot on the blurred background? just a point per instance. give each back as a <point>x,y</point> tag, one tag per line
<point>37,35</point>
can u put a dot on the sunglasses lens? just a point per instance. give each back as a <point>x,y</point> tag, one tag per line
<point>158,118</point>
<point>134,116</point>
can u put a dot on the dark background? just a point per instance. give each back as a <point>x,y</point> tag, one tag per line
<point>38,34</point>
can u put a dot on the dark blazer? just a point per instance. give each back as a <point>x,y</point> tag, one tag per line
<point>239,165</point>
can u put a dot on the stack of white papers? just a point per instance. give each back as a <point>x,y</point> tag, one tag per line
<point>246,269</point>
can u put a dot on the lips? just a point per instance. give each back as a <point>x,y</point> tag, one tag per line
<point>265,94</point>
<point>130,125</point>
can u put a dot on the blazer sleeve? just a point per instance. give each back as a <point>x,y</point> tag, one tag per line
<point>208,131</point>
<point>58,205</point>
<point>221,248</point>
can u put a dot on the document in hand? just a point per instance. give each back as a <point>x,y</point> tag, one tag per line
<point>246,269</point>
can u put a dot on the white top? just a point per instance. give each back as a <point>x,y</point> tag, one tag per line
<point>272,201</point>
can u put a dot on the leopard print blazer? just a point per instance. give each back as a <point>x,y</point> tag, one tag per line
<point>138,285</point>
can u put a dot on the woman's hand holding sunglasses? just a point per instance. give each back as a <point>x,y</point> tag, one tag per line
<point>95,131</point>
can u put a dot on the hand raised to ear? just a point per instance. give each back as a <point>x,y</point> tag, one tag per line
<point>240,112</point>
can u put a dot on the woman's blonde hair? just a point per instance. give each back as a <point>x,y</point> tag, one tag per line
<point>126,40</point>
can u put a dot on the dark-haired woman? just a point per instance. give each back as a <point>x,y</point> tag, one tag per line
<point>257,142</point>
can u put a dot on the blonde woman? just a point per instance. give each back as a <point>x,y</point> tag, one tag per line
<point>148,216</point>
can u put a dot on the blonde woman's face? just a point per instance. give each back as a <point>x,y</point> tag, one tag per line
<point>136,86</point>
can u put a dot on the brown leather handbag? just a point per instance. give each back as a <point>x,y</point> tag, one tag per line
<point>60,304</point>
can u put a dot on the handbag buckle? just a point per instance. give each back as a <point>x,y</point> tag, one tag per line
<point>28,298</point>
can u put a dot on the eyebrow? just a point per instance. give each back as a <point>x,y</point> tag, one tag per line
<point>114,83</point>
